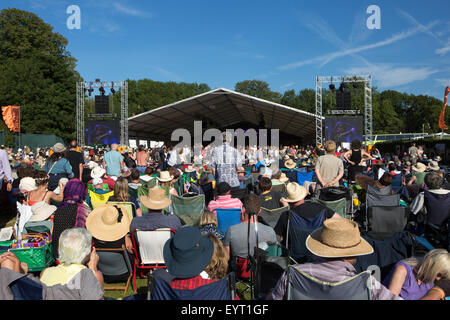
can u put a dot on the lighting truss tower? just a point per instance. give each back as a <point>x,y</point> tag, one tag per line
<point>82,86</point>
<point>367,80</point>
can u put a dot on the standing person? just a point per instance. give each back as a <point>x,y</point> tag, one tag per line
<point>141,159</point>
<point>225,162</point>
<point>113,162</point>
<point>5,172</point>
<point>355,158</point>
<point>329,168</point>
<point>57,166</point>
<point>413,153</point>
<point>75,159</point>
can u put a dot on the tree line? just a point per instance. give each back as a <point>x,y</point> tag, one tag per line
<point>38,73</point>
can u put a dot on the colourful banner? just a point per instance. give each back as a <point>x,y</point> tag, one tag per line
<point>442,117</point>
<point>11,116</point>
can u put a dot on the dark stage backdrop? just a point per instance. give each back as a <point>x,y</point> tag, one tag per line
<point>102,132</point>
<point>343,129</point>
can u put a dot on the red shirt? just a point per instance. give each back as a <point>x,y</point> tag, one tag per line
<point>192,283</point>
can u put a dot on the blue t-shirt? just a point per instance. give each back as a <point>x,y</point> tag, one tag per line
<point>113,160</point>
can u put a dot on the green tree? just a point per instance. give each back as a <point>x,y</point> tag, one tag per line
<point>259,89</point>
<point>37,73</point>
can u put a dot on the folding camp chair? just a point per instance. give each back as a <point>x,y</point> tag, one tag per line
<point>302,177</point>
<point>98,200</point>
<point>271,216</point>
<point>302,286</point>
<point>189,208</point>
<point>108,261</point>
<point>383,222</point>
<point>291,174</point>
<point>227,218</point>
<point>298,229</point>
<point>129,206</point>
<point>105,187</point>
<point>160,289</point>
<point>339,206</point>
<point>380,198</point>
<point>279,188</point>
<point>148,249</point>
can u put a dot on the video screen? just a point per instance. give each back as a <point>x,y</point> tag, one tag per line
<point>103,132</point>
<point>343,129</point>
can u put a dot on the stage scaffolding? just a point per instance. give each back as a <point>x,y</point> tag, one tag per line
<point>367,80</point>
<point>82,88</point>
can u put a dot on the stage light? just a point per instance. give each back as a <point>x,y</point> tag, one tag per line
<point>102,90</point>
<point>332,87</point>
<point>90,90</point>
<point>113,91</point>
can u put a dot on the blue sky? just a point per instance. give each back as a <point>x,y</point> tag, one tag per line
<point>285,43</point>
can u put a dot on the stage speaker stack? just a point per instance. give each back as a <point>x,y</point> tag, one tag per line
<point>102,104</point>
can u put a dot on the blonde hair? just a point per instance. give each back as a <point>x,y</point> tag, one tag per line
<point>121,190</point>
<point>218,266</point>
<point>330,146</point>
<point>208,218</point>
<point>434,263</point>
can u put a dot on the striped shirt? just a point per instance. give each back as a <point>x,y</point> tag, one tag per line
<point>224,202</point>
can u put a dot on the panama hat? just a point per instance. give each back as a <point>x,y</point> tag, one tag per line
<point>188,253</point>
<point>419,167</point>
<point>295,192</point>
<point>338,238</point>
<point>433,165</point>
<point>156,199</point>
<point>290,164</point>
<point>164,176</point>
<point>58,147</point>
<point>41,211</point>
<point>108,222</point>
<point>97,172</point>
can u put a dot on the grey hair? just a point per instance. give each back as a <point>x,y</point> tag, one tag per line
<point>433,180</point>
<point>74,246</point>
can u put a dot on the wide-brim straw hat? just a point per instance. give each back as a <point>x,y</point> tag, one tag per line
<point>164,176</point>
<point>290,164</point>
<point>338,238</point>
<point>59,147</point>
<point>295,192</point>
<point>41,211</point>
<point>103,222</point>
<point>433,165</point>
<point>97,172</point>
<point>419,167</point>
<point>189,169</point>
<point>28,184</point>
<point>156,199</point>
<point>284,178</point>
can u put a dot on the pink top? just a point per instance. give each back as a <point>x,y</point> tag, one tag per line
<point>224,202</point>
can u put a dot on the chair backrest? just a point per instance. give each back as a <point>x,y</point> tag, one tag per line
<point>280,188</point>
<point>208,191</point>
<point>339,206</point>
<point>149,184</point>
<point>227,218</point>
<point>388,220</point>
<point>302,286</point>
<point>271,216</point>
<point>113,261</point>
<point>381,197</point>
<point>129,206</point>
<point>438,207</point>
<point>37,227</point>
<point>188,205</point>
<point>105,187</point>
<point>149,245</point>
<point>160,289</point>
<point>98,200</point>
<point>302,177</point>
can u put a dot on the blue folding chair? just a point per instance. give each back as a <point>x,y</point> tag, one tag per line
<point>227,218</point>
<point>302,177</point>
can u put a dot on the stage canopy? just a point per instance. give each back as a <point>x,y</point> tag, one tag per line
<point>222,108</point>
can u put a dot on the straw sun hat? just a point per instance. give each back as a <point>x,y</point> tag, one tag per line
<point>290,164</point>
<point>295,192</point>
<point>108,222</point>
<point>419,167</point>
<point>338,238</point>
<point>164,176</point>
<point>156,199</point>
<point>283,178</point>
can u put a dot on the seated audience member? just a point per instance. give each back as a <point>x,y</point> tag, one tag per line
<point>99,172</point>
<point>74,200</point>
<point>148,174</point>
<point>335,247</point>
<point>42,193</point>
<point>364,181</point>
<point>224,199</point>
<point>42,215</point>
<point>12,270</point>
<point>176,180</point>
<point>270,199</point>
<point>194,260</point>
<point>418,174</point>
<point>109,226</point>
<point>308,210</point>
<point>208,225</point>
<point>279,178</point>
<point>166,183</point>
<point>97,184</point>
<point>412,278</point>
<point>156,201</point>
<point>57,166</point>
<point>435,201</point>
<point>134,183</point>
<point>236,236</point>
<point>74,255</point>
<point>27,184</point>
<point>121,194</point>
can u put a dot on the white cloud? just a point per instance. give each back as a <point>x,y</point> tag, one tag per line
<point>388,76</point>
<point>130,11</point>
<point>287,85</point>
<point>167,74</point>
<point>443,82</point>
<point>443,51</point>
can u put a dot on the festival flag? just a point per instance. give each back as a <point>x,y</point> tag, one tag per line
<point>442,117</point>
<point>11,116</point>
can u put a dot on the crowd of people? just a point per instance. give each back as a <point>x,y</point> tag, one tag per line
<point>90,198</point>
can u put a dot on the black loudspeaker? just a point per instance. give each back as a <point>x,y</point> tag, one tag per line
<point>339,100</point>
<point>101,104</point>
<point>347,100</point>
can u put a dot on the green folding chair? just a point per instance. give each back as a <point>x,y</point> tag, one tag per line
<point>188,209</point>
<point>129,206</point>
<point>339,206</point>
